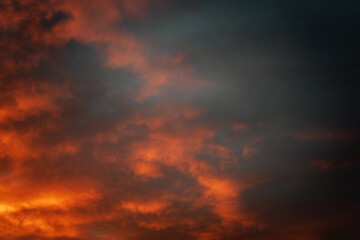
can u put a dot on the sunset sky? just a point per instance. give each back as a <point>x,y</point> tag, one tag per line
<point>179,120</point>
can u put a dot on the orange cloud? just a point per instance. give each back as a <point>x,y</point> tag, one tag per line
<point>343,135</point>
<point>144,208</point>
<point>67,172</point>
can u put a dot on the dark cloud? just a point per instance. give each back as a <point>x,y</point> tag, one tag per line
<point>185,120</point>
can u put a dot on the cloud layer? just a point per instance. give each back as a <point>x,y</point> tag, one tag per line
<point>155,119</point>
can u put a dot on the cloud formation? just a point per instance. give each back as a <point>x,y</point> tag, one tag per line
<point>149,119</point>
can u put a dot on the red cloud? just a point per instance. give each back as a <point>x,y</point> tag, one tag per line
<point>66,176</point>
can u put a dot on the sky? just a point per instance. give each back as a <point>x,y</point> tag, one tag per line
<point>179,120</point>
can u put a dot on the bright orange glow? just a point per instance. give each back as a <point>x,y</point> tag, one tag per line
<point>151,207</point>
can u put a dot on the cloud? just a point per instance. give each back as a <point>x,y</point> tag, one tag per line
<point>71,162</point>
<point>154,120</point>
